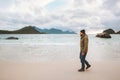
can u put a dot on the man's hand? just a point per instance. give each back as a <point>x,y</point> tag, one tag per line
<point>83,53</point>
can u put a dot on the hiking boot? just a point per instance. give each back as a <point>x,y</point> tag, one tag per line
<point>81,70</point>
<point>88,66</point>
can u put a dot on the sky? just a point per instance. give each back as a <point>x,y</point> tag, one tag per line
<point>92,15</point>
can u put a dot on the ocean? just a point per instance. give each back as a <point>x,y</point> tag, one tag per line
<point>40,39</point>
<point>57,47</point>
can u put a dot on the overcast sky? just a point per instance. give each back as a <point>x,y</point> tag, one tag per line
<point>92,15</point>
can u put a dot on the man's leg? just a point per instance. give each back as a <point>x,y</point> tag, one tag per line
<point>83,61</point>
<point>82,58</point>
<point>86,62</point>
<point>88,65</point>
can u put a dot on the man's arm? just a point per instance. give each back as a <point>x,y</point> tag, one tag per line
<point>85,46</point>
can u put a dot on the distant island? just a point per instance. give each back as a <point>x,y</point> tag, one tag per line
<point>106,33</point>
<point>36,30</point>
<point>111,31</point>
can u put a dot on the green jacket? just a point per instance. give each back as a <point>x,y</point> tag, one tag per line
<point>84,43</point>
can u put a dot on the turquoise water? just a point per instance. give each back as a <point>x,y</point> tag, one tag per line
<point>44,39</point>
<point>55,47</point>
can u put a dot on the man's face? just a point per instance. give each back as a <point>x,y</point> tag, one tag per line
<point>81,34</point>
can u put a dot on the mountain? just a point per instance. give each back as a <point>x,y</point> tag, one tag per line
<point>36,30</point>
<point>25,30</point>
<point>54,31</point>
<point>5,32</point>
<point>109,31</point>
<point>118,32</point>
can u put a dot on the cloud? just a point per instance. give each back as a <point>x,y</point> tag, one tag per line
<point>92,15</point>
<point>21,12</point>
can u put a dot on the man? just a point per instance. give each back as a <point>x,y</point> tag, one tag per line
<point>83,50</point>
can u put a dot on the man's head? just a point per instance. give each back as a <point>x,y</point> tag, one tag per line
<point>82,32</point>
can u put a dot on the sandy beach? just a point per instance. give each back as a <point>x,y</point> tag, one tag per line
<point>32,61</point>
<point>66,70</point>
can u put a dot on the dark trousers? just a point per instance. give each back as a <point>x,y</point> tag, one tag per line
<point>83,60</point>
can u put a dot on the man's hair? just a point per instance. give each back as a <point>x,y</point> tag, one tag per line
<point>82,31</point>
